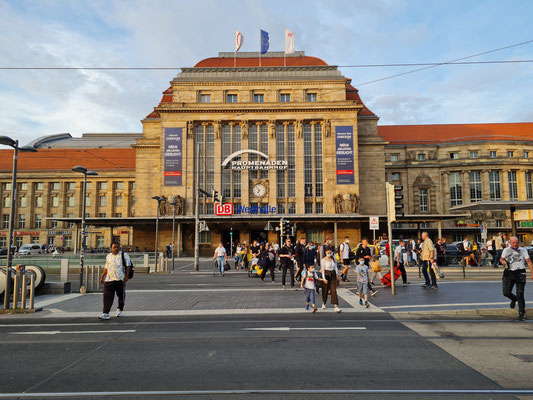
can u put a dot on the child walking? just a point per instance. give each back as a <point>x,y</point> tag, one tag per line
<point>362,281</point>
<point>309,279</point>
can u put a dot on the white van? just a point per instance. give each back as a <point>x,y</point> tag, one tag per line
<point>30,249</point>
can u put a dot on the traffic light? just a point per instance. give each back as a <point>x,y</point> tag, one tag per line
<point>215,196</point>
<point>287,228</point>
<point>394,202</point>
<point>293,229</point>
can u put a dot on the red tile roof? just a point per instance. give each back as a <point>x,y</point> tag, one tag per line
<point>353,94</point>
<point>425,134</point>
<point>222,62</point>
<point>153,114</point>
<point>66,159</point>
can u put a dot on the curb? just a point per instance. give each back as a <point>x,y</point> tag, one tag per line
<point>478,312</point>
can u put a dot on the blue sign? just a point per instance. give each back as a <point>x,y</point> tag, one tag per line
<point>344,155</point>
<point>173,156</point>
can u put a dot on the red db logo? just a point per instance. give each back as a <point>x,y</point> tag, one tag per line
<point>224,209</point>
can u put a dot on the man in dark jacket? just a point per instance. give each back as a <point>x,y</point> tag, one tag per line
<point>286,255</point>
<point>299,257</point>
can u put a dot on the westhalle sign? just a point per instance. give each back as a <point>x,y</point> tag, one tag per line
<point>230,209</point>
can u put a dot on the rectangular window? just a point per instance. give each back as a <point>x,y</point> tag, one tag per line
<point>421,157</point>
<point>38,202</point>
<point>71,186</point>
<point>38,221</point>
<point>100,240</point>
<point>319,184</point>
<point>513,186</point>
<point>132,201</point>
<point>88,201</point>
<point>68,241</point>
<point>236,146</point>
<point>494,183</point>
<point>6,186</point>
<point>118,201</point>
<point>88,186</point>
<point>473,154</point>
<point>55,201</point>
<point>53,224</point>
<point>280,208</point>
<point>35,240</point>
<point>280,155</point>
<point>102,215</point>
<point>311,97</point>
<point>259,98</point>
<point>39,186</point>
<point>119,185</point>
<point>291,168</point>
<point>205,237</point>
<point>394,157</point>
<point>103,201</point>
<point>315,235</point>
<point>70,224</point>
<point>209,209</point>
<point>23,201</point>
<point>205,98</point>
<point>476,193</point>
<point>510,154</point>
<point>226,151</point>
<point>71,201</point>
<point>456,189</point>
<point>285,97</point>
<point>292,208</point>
<point>22,221</point>
<point>319,208</point>
<point>51,240</point>
<point>6,202</point>
<point>23,186</point>
<point>5,221</point>
<point>231,98</point>
<point>54,186</point>
<point>529,186</point>
<point>492,154</point>
<point>132,186</point>
<point>102,185</point>
<point>498,223</point>
<point>308,164</point>
<point>423,199</point>
<point>3,242</point>
<point>526,154</point>
<point>309,208</point>
<point>118,215</point>
<point>454,156</point>
<point>18,241</point>
<point>395,176</point>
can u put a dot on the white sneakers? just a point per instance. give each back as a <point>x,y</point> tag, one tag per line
<point>337,309</point>
<point>323,306</point>
<point>119,312</point>
<point>104,316</point>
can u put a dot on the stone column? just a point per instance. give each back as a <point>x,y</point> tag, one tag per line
<point>504,185</point>
<point>485,184</point>
<point>217,184</point>
<point>521,185</point>
<point>466,187</point>
<point>272,174</point>
<point>445,193</point>
<point>245,175</point>
<point>299,166</point>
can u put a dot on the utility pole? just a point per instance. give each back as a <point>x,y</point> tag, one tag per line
<point>197,209</point>
<point>394,210</point>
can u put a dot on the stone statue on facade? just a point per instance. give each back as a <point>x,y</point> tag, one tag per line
<point>346,203</point>
<point>272,129</point>
<point>327,128</point>
<point>299,129</point>
<point>411,156</point>
<point>167,208</point>
<point>432,155</point>
<point>244,129</point>
<point>190,129</point>
<point>218,128</point>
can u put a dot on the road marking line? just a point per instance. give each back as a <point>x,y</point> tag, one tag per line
<point>144,393</point>
<point>184,266</point>
<point>56,299</point>
<point>445,305</point>
<point>207,290</point>
<point>69,332</point>
<point>287,329</point>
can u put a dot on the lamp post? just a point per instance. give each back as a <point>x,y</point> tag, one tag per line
<point>83,170</point>
<point>159,200</point>
<point>174,204</point>
<point>5,140</point>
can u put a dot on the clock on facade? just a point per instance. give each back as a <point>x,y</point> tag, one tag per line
<point>259,190</point>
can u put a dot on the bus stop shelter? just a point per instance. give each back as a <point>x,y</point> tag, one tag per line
<point>488,205</point>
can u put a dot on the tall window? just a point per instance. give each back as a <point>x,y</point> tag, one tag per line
<point>22,221</point>
<point>423,199</point>
<point>22,201</point>
<point>103,201</point>
<point>38,201</point>
<point>280,155</point>
<point>494,183</point>
<point>118,201</point>
<point>475,186</point>
<point>258,140</point>
<point>513,187</point>
<point>205,139</point>
<point>529,186</point>
<point>231,142</point>
<point>55,201</point>
<point>226,151</point>
<point>308,165</point>
<point>319,185</point>
<point>236,146</point>
<point>38,221</point>
<point>456,189</point>
<point>70,201</point>
<point>308,208</point>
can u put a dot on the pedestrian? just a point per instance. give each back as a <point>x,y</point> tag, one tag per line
<point>498,246</point>
<point>308,283</point>
<point>398,255</point>
<point>310,255</point>
<point>299,257</point>
<point>220,257</point>
<point>441,249</point>
<point>491,249</point>
<point>286,257</point>
<point>266,263</point>
<point>238,256</point>
<point>444,251</point>
<point>168,250</point>
<point>409,251</point>
<point>365,253</point>
<point>515,259</point>
<point>114,277</point>
<point>427,256</point>
<point>330,280</point>
<point>362,281</point>
<point>323,248</point>
<point>418,251</point>
<point>344,253</point>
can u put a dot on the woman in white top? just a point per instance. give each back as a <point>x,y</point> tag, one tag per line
<point>330,274</point>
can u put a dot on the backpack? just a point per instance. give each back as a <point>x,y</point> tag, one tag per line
<point>126,267</point>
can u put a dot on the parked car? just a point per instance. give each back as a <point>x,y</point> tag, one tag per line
<point>30,249</point>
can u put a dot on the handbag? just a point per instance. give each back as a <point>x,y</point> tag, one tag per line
<point>227,266</point>
<point>376,266</point>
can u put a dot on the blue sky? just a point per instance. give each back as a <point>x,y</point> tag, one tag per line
<point>180,33</point>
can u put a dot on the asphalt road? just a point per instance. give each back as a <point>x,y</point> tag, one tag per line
<point>317,355</point>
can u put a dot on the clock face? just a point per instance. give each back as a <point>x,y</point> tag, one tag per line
<point>259,190</point>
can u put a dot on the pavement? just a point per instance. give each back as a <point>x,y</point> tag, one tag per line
<point>194,335</point>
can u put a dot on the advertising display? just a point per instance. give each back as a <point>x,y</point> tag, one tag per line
<point>173,156</point>
<point>344,155</point>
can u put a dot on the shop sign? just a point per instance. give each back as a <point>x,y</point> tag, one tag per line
<point>230,209</point>
<point>60,232</point>
<point>121,232</point>
<point>22,233</point>
<point>264,164</point>
<point>526,224</point>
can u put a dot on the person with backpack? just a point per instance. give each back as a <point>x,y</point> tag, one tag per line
<point>118,270</point>
<point>299,257</point>
<point>310,255</point>
<point>345,255</point>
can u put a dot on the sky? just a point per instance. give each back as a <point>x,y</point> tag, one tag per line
<point>153,33</point>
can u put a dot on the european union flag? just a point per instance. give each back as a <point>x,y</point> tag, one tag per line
<point>264,42</point>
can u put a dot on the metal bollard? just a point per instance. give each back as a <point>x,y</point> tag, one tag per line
<point>99,271</point>
<point>32,290</point>
<point>92,285</point>
<point>23,289</point>
<point>464,270</point>
<point>15,291</point>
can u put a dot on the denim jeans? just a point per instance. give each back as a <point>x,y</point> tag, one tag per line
<point>221,261</point>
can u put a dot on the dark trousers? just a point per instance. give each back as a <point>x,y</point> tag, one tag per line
<point>428,272</point>
<point>331,277</point>
<point>300,263</point>
<point>509,280</point>
<point>401,267</point>
<point>268,267</point>
<point>284,267</point>
<point>496,259</point>
<point>109,295</point>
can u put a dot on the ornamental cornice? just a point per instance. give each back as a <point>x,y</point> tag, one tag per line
<point>354,108</point>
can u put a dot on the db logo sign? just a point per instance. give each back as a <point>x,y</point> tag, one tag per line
<point>224,209</point>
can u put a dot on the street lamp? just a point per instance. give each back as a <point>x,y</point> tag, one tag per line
<point>7,141</point>
<point>174,204</point>
<point>159,200</point>
<point>83,170</point>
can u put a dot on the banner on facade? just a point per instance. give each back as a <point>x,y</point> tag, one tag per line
<point>173,156</point>
<point>344,155</point>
